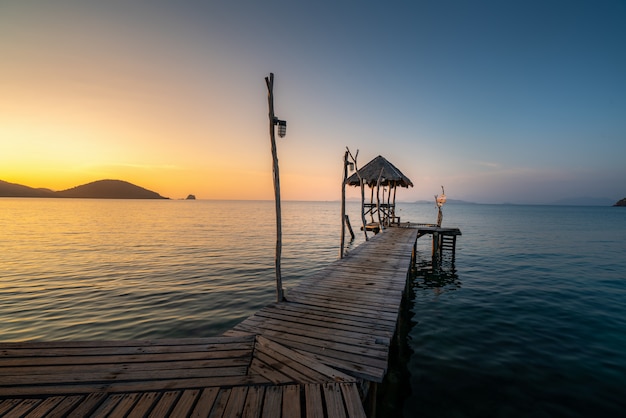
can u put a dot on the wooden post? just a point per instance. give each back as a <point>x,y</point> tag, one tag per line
<point>371,203</point>
<point>436,251</point>
<point>395,186</point>
<point>343,203</point>
<point>349,227</point>
<point>272,119</point>
<point>356,170</point>
<point>380,222</point>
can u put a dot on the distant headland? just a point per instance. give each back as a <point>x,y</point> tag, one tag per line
<point>101,189</point>
<point>621,202</point>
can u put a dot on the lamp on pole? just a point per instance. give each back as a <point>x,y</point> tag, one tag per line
<point>282,131</point>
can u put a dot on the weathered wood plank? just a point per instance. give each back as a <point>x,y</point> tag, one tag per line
<point>107,406</point>
<point>236,402</point>
<point>34,361</point>
<point>313,401</point>
<point>342,340</point>
<point>334,401</point>
<point>272,406</point>
<point>322,372</point>
<point>125,404</point>
<point>175,342</point>
<point>291,402</point>
<point>121,367</point>
<point>22,408</point>
<point>185,403</point>
<point>7,405</point>
<point>330,324</point>
<point>120,375</point>
<point>165,403</point>
<point>220,403</point>
<point>252,406</point>
<point>134,386</point>
<point>205,403</point>
<point>90,403</point>
<point>352,401</point>
<point>26,350</point>
<point>44,407</point>
<point>144,404</point>
<point>67,404</point>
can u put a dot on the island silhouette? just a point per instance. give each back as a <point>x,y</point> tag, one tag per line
<point>101,189</point>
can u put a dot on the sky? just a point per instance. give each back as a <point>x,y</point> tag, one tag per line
<point>498,101</point>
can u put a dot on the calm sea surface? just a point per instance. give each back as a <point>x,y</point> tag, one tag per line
<point>529,320</point>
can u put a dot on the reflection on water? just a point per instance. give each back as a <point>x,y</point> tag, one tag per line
<point>441,278</point>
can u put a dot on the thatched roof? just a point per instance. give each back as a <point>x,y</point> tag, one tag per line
<point>370,172</point>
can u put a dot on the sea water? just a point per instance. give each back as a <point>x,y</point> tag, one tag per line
<point>529,319</point>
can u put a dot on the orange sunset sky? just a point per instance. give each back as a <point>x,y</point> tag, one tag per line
<point>521,102</point>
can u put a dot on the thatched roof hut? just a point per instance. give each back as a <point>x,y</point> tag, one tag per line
<point>376,174</point>
<point>380,167</point>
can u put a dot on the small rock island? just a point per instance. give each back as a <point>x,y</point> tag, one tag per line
<point>191,197</point>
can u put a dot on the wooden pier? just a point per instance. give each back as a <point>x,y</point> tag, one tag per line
<point>315,354</point>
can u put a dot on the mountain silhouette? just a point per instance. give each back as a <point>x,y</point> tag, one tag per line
<point>101,189</point>
<point>17,190</point>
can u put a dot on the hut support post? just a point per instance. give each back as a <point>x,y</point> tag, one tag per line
<point>393,211</point>
<point>380,222</point>
<point>356,169</point>
<point>371,203</point>
<point>269,81</point>
<point>343,203</point>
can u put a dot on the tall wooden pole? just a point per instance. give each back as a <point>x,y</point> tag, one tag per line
<point>279,245</point>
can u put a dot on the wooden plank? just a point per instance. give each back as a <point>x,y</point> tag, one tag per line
<point>165,403</point>
<point>22,408</point>
<point>341,340</point>
<point>89,404</point>
<point>26,350</point>
<point>44,407</point>
<point>359,317</point>
<point>118,373</point>
<point>175,342</point>
<point>34,362</point>
<point>236,402</point>
<point>7,405</point>
<point>329,325</point>
<point>220,403</point>
<point>144,404</point>
<point>262,369</point>
<point>309,362</point>
<point>124,405</point>
<point>66,405</point>
<point>121,367</point>
<point>272,405</point>
<point>313,401</point>
<point>334,401</point>
<point>134,386</point>
<point>329,350</point>
<point>291,402</point>
<point>252,406</point>
<point>205,403</point>
<point>185,403</point>
<point>107,406</point>
<point>352,400</point>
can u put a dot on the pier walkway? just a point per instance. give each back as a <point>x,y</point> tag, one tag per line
<point>312,355</point>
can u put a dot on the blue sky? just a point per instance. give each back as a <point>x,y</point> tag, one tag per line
<point>499,101</point>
